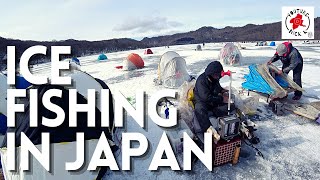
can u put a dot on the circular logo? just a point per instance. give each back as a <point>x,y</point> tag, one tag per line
<point>298,22</point>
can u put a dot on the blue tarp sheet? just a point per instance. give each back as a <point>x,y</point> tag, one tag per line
<point>255,82</point>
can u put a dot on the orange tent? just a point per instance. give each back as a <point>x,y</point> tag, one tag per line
<point>133,61</point>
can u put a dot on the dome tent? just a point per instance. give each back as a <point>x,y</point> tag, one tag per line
<point>133,61</point>
<point>199,47</point>
<point>74,64</point>
<point>272,43</point>
<point>63,139</point>
<point>164,58</point>
<point>21,83</point>
<point>230,54</point>
<point>172,70</point>
<point>75,60</point>
<point>148,51</point>
<point>102,57</point>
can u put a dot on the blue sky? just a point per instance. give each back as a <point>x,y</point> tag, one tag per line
<point>106,19</point>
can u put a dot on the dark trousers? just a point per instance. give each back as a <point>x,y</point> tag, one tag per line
<point>203,112</point>
<point>297,71</point>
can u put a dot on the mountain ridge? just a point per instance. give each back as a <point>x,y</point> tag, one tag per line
<point>205,34</point>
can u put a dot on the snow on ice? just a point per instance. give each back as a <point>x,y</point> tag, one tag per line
<point>290,143</point>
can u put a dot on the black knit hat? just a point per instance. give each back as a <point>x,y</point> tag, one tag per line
<point>214,67</point>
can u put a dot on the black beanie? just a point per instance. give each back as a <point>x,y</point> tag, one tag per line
<point>214,67</point>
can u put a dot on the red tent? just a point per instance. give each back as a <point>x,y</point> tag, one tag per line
<point>133,61</point>
<point>148,51</point>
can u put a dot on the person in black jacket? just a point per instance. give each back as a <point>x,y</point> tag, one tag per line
<point>209,98</point>
<point>291,60</point>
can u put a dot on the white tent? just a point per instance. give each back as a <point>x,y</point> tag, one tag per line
<point>168,55</point>
<point>230,54</point>
<point>62,153</point>
<point>172,70</point>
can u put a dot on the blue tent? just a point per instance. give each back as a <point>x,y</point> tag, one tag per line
<point>255,82</point>
<point>272,43</point>
<point>76,60</point>
<point>102,57</point>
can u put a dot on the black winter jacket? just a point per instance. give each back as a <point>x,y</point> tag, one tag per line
<point>206,91</point>
<point>290,61</point>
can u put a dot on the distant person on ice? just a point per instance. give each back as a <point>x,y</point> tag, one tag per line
<point>210,98</point>
<point>291,60</point>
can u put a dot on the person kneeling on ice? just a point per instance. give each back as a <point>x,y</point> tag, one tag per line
<point>291,60</point>
<point>210,98</point>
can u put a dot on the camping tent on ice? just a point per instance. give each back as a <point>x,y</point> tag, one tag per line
<point>64,152</point>
<point>199,47</point>
<point>75,60</point>
<point>172,70</point>
<point>272,43</point>
<point>21,83</point>
<point>262,43</point>
<point>133,61</point>
<point>148,51</point>
<point>75,64</point>
<point>230,54</point>
<point>102,57</point>
<point>260,80</point>
<point>169,55</point>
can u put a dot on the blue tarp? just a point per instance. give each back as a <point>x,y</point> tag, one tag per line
<point>255,82</point>
<point>282,82</point>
